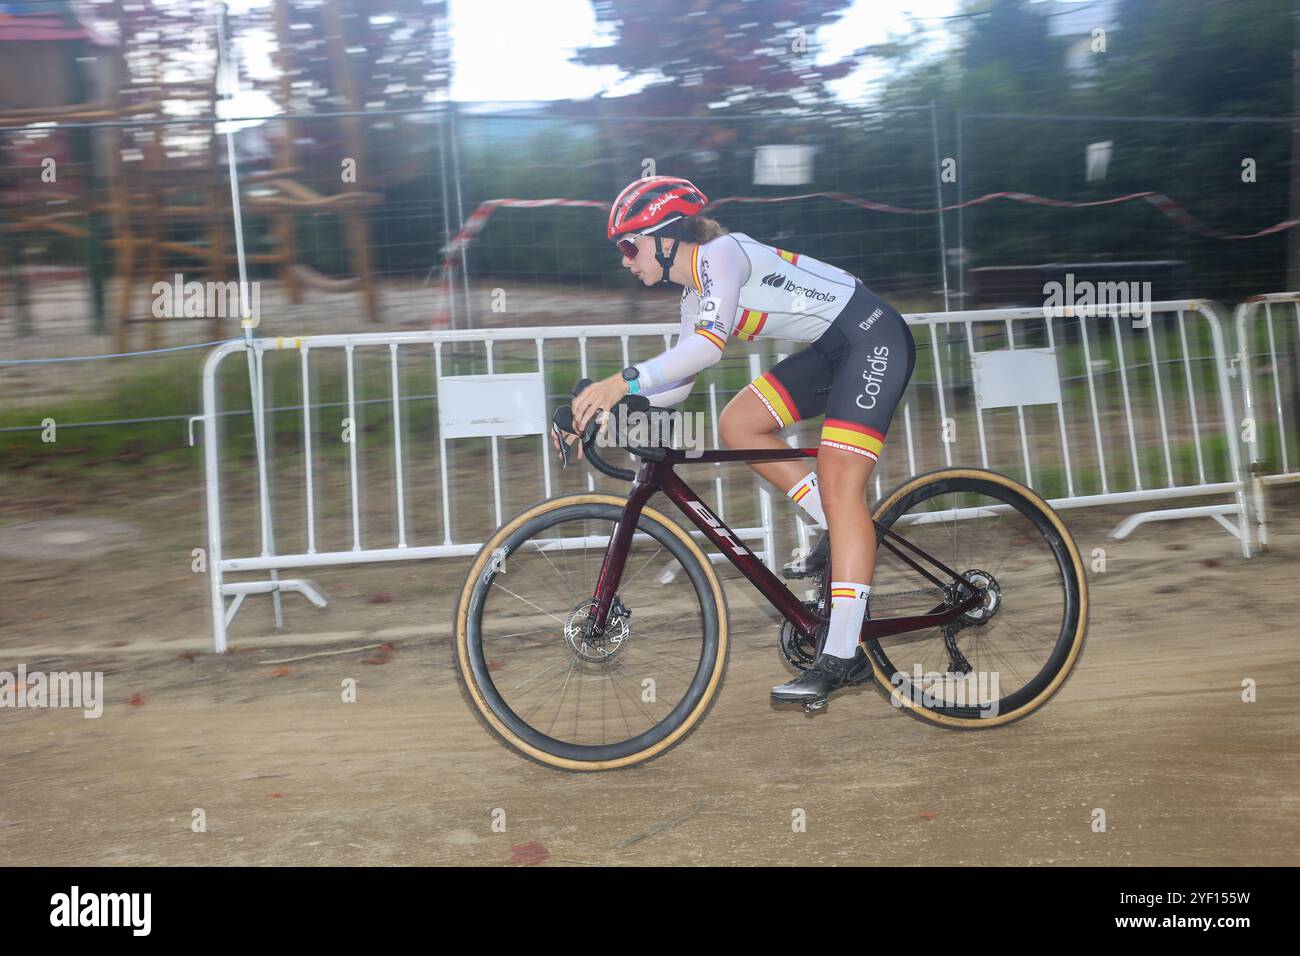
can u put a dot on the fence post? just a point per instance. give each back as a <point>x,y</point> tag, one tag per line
<point>460,211</point>
<point>961,218</point>
<point>448,282</point>
<point>938,192</point>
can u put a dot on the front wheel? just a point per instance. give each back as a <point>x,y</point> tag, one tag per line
<point>1008,655</point>
<point>558,693</point>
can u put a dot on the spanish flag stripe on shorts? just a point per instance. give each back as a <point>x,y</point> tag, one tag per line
<point>802,493</point>
<point>776,398</point>
<point>850,436</point>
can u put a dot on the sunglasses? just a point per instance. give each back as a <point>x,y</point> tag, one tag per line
<point>627,246</point>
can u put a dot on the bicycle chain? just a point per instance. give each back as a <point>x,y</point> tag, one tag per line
<point>789,643</point>
<point>875,594</point>
<point>884,594</point>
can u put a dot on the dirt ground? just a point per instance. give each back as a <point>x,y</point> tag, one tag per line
<point>1151,728</point>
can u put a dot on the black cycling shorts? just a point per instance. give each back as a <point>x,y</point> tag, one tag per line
<point>855,374</point>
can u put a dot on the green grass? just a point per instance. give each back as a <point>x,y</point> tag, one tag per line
<point>165,387</point>
<point>170,386</point>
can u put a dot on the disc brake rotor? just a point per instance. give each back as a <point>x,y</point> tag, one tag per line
<point>596,648</point>
<point>990,593</point>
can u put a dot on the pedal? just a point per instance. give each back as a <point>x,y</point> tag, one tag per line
<point>800,568</point>
<point>814,705</point>
<point>811,563</point>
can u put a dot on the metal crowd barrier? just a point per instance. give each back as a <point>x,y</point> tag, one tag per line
<point>1087,409</point>
<point>1268,351</point>
<point>398,543</point>
<point>1136,413</point>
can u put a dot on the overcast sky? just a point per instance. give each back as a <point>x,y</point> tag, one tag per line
<point>521,49</point>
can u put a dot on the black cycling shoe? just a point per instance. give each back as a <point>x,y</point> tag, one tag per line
<point>826,674</point>
<point>812,563</point>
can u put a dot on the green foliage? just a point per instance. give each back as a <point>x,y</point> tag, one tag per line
<point>1162,59</point>
<point>745,57</point>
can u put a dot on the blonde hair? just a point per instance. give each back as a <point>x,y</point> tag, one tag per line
<point>706,229</point>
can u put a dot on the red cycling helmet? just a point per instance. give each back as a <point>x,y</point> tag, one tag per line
<point>647,206</point>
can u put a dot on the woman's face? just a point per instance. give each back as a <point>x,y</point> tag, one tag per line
<point>645,266</point>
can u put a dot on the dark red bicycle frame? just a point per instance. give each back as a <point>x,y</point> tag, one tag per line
<point>658,475</point>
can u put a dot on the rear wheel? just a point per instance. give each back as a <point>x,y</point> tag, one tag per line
<point>551,688</point>
<point>1007,656</point>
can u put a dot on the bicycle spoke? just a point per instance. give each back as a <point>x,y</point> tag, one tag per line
<point>628,581</point>
<point>560,697</point>
<point>685,680</point>
<point>542,552</point>
<point>538,674</point>
<point>528,602</point>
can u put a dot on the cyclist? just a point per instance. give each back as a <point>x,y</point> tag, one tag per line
<point>854,371</point>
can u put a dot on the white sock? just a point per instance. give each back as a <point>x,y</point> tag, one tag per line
<point>806,495</point>
<point>848,608</point>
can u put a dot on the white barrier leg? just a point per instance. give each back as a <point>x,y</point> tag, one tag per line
<point>1133,522</point>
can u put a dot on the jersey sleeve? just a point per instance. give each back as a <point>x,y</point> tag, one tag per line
<point>718,270</point>
<point>665,396</point>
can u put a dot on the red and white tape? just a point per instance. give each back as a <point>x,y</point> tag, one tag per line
<point>478,219</point>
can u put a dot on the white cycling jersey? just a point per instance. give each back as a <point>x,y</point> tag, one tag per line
<point>743,288</point>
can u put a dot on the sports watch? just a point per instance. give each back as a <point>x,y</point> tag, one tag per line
<point>632,376</point>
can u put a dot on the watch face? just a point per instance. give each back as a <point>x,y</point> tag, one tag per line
<point>631,373</point>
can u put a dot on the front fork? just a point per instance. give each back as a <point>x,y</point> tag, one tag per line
<point>620,545</point>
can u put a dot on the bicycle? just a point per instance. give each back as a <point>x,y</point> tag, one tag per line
<point>534,636</point>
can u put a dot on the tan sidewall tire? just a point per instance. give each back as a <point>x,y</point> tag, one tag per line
<point>895,692</point>
<point>462,637</point>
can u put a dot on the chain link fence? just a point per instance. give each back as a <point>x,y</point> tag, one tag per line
<point>104,222</point>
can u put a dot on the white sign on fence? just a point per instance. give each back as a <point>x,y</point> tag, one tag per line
<point>1011,377</point>
<point>781,165</point>
<point>478,406</point>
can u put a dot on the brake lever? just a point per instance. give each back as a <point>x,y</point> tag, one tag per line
<point>561,425</point>
<point>564,446</point>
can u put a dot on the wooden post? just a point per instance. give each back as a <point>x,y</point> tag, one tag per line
<point>343,80</point>
<point>118,198</point>
<point>154,161</point>
<point>218,206</point>
<point>286,250</point>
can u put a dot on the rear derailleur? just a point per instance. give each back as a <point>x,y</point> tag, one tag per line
<point>958,592</point>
